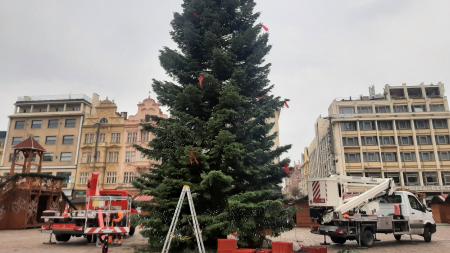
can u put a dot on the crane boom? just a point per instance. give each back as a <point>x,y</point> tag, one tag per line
<point>331,193</point>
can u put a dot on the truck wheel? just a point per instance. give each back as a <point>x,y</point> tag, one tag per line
<point>367,238</point>
<point>338,240</point>
<point>427,234</point>
<point>398,237</point>
<point>62,237</point>
<point>132,230</point>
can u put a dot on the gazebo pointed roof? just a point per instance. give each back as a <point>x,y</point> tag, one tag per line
<point>29,144</point>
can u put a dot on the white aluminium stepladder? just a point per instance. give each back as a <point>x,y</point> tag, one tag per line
<point>173,224</point>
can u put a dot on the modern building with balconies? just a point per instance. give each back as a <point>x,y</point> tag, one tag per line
<point>401,134</point>
<point>53,121</point>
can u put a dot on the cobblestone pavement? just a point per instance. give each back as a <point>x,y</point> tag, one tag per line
<point>31,241</point>
<point>440,242</point>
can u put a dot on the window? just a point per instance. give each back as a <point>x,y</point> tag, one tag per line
<point>20,124</point>
<point>16,140</point>
<point>408,156</point>
<point>113,157</point>
<point>387,140</point>
<point>424,140</point>
<point>68,139</point>
<point>144,136</point>
<point>415,204</point>
<point>65,157</point>
<point>86,157</point>
<point>422,124</point>
<point>50,140</point>
<point>111,177</point>
<point>84,177</point>
<point>411,178</point>
<point>430,178</point>
<point>36,138</point>
<point>446,178</point>
<point>403,124</point>
<point>444,155</point>
<point>371,156</point>
<point>70,123</point>
<point>101,138</point>
<point>47,157</point>
<point>72,107</point>
<point>67,177</point>
<point>365,109</point>
<point>89,138</point>
<point>36,123</point>
<point>405,140</point>
<point>426,156</point>
<point>128,177</point>
<point>115,137</point>
<point>432,92</point>
<point>389,156</point>
<point>418,108</point>
<point>369,140</point>
<point>385,125</point>
<point>440,123</point>
<point>437,108</point>
<point>129,156</point>
<point>373,174</point>
<point>132,137</point>
<point>346,110</point>
<point>383,109</point>
<point>442,139</point>
<point>393,175</point>
<point>354,174</point>
<point>367,125</point>
<point>350,141</point>
<point>400,108</point>
<point>53,123</point>
<point>348,126</point>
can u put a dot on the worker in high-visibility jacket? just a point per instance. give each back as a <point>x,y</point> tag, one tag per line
<point>117,222</point>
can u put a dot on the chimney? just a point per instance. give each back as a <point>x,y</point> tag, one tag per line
<point>124,115</point>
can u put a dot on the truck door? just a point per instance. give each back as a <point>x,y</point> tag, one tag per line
<point>416,215</point>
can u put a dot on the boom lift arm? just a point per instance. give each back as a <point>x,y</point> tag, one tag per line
<point>378,188</point>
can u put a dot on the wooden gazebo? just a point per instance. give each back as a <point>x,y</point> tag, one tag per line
<point>30,148</point>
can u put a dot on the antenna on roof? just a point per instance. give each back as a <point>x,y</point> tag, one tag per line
<point>372,91</point>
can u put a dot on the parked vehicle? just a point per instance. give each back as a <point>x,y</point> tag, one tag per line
<point>357,208</point>
<point>107,212</point>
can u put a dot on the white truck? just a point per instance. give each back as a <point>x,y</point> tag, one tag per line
<point>357,208</point>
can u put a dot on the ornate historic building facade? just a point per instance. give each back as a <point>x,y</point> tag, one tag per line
<point>108,139</point>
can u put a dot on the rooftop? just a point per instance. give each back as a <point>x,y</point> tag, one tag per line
<point>54,98</point>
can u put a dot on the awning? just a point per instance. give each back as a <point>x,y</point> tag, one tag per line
<point>143,198</point>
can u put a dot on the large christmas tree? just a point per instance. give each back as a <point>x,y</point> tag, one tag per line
<point>218,138</point>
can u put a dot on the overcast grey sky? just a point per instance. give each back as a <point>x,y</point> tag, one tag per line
<point>321,50</point>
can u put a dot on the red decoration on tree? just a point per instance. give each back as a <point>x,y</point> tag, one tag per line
<point>265,28</point>
<point>286,169</point>
<point>201,79</point>
<point>193,158</point>
<point>286,103</point>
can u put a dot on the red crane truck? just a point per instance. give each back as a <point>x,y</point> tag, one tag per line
<point>107,212</point>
